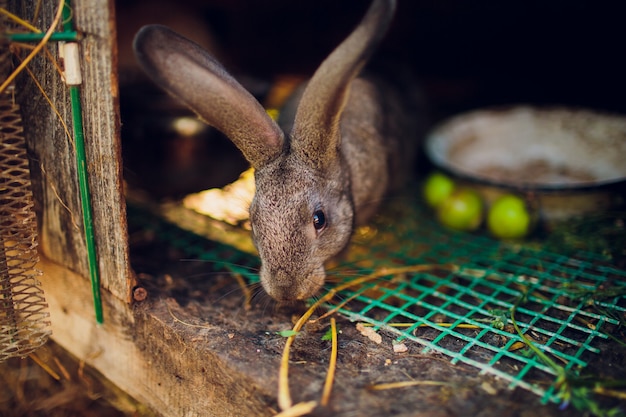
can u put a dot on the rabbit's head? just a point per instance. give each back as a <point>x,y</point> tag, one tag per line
<point>301,215</point>
<point>303,211</point>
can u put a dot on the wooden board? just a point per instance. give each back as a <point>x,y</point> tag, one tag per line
<point>142,353</point>
<point>52,150</point>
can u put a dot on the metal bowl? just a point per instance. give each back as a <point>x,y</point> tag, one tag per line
<point>566,162</point>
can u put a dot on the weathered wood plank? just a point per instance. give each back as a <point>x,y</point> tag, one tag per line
<point>53,165</point>
<point>171,369</point>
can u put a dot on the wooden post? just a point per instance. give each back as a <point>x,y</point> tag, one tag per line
<point>52,149</point>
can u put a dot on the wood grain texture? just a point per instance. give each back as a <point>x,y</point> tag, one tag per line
<point>52,150</point>
<point>175,370</point>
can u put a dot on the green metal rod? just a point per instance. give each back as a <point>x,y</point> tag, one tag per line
<point>83,182</point>
<point>68,17</point>
<point>36,37</point>
<point>85,198</point>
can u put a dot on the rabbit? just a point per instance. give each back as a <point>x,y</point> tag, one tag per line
<point>328,173</point>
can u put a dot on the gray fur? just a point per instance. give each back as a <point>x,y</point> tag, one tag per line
<point>345,141</point>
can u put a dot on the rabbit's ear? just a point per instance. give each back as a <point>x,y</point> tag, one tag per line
<point>193,76</point>
<point>316,126</point>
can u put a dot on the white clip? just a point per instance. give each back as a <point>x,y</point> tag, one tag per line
<point>71,63</point>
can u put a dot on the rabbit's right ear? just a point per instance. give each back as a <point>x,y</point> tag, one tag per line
<point>315,133</point>
<point>190,74</point>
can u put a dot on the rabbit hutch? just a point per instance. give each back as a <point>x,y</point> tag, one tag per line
<point>126,237</point>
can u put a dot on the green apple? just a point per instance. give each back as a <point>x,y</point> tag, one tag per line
<point>437,188</point>
<point>461,210</point>
<point>509,218</point>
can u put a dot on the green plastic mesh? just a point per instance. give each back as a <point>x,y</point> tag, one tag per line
<point>461,307</point>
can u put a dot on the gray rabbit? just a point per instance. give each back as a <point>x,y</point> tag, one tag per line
<point>349,138</point>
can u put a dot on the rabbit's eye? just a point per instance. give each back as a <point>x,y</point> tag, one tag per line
<point>319,220</point>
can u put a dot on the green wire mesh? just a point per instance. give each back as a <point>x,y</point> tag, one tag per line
<point>565,302</point>
<point>461,306</point>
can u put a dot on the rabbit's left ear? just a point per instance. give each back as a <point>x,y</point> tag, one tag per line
<point>315,133</point>
<point>189,73</point>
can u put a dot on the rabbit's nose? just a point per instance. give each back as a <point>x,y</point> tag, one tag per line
<point>282,284</point>
<point>278,283</point>
<point>281,277</point>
